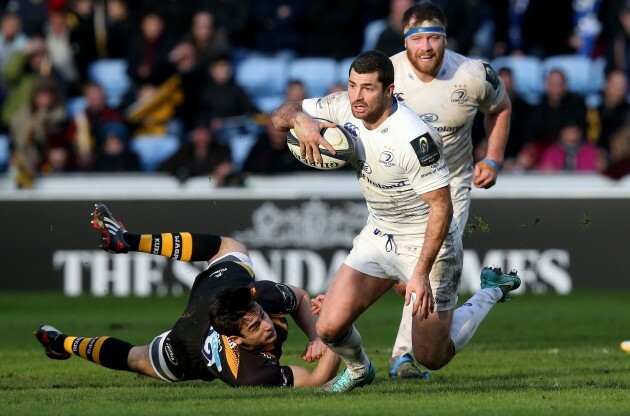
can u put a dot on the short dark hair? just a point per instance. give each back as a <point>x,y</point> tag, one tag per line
<point>374,61</point>
<point>228,307</point>
<point>423,11</point>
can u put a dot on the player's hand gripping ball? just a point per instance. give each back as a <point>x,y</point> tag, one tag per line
<point>338,137</point>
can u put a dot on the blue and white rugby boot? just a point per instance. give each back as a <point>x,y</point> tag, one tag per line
<point>494,277</point>
<point>405,367</point>
<point>344,383</point>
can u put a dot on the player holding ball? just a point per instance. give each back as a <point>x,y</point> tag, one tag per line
<point>410,235</point>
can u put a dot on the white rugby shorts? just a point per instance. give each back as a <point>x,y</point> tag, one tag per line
<point>394,257</point>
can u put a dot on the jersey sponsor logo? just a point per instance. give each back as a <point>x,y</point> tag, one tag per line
<point>156,245</point>
<point>410,75</point>
<point>385,130</point>
<point>211,348</point>
<point>218,273</point>
<point>491,76</point>
<point>386,158</point>
<point>459,96</point>
<point>169,353</point>
<point>434,169</point>
<point>425,149</point>
<point>381,186</point>
<point>443,72</point>
<point>352,129</point>
<point>429,117</point>
<point>177,243</point>
<point>448,129</point>
<point>400,96</point>
<point>365,167</point>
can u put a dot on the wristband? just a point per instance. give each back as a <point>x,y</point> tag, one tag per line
<point>492,163</point>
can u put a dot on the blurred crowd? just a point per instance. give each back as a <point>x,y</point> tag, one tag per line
<point>179,89</point>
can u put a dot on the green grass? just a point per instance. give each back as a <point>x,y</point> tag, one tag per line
<point>542,355</point>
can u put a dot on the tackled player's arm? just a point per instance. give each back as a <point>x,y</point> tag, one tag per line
<point>304,318</point>
<point>307,130</point>
<point>440,216</point>
<point>497,128</point>
<point>326,369</point>
<point>328,364</point>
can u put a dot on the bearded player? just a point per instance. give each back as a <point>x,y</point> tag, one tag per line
<point>446,90</point>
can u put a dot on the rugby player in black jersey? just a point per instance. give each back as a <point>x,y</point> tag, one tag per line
<point>232,328</point>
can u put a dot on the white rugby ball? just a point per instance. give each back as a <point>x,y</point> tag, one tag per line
<point>338,137</point>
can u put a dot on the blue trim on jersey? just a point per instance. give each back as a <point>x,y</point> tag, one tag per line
<point>394,107</point>
<point>431,29</point>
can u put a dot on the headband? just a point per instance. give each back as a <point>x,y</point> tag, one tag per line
<point>438,30</point>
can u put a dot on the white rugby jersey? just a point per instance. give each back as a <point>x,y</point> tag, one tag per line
<point>394,163</point>
<point>449,103</point>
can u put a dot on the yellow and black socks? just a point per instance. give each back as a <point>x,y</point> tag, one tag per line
<point>106,351</point>
<point>182,246</point>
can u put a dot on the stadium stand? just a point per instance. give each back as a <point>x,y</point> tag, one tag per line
<point>343,68</point>
<point>153,150</point>
<point>264,78</point>
<point>528,75</point>
<point>111,75</point>
<point>584,76</point>
<point>318,74</point>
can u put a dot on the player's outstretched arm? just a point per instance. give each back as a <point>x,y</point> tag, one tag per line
<point>326,369</point>
<point>307,130</point>
<point>497,128</point>
<point>305,319</point>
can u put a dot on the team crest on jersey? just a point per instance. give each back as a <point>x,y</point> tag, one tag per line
<point>386,158</point>
<point>429,117</point>
<point>491,76</point>
<point>352,129</point>
<point>425,149</point>
<point>459,96</point>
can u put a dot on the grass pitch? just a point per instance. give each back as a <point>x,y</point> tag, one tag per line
<point>542,355</point>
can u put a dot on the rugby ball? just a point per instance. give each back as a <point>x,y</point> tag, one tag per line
<point>338,137</point>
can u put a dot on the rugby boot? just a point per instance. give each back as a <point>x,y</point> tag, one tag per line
<point>405,366</point>
<point>494,277</point>
<point>112,239</point>
<point>47,335</point>
<point>344,383</point>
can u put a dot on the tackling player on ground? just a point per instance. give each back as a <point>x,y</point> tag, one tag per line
<point>410,235</point>
<point>232,328</point>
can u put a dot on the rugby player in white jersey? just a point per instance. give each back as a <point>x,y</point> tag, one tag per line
<point>446,90</point>
<point>409,236</point>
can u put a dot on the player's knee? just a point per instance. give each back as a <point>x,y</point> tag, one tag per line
<point>432,359</point>
<point>229,244</point>
<point>327,332</point>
